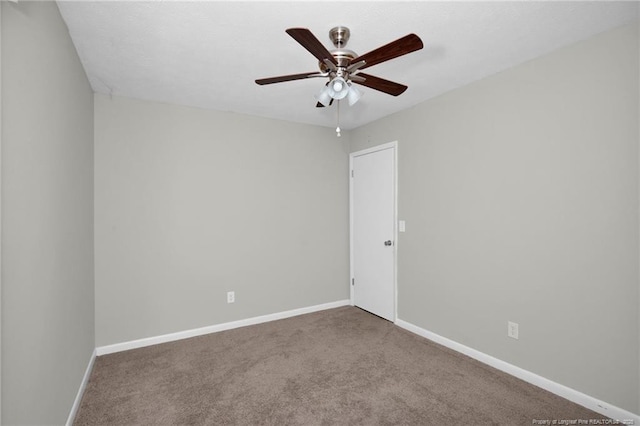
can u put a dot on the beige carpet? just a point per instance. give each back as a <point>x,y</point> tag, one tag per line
<point>342,366</point>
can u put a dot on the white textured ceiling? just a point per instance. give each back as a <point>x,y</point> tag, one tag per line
<point>208,53</point>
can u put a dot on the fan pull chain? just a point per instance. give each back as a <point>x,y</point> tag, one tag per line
<point>338,121</point>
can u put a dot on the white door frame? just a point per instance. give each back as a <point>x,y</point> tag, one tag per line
<point>394,146</point>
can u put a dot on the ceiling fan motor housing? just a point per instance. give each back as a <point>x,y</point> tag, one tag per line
<point>343,57</point>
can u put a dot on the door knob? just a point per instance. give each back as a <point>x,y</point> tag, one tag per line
<point>388,243</point>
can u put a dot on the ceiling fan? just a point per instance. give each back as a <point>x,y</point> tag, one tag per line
<point>343,66</point>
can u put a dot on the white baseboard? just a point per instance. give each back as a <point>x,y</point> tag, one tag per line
<point>572,395</point>
<point>83,386</point>
<point>140,343</point>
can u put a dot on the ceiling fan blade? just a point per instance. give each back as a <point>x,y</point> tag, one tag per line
<point>311,43</point>
<point>402,46</point>
<point>381,84</point>
<point>282,78</point>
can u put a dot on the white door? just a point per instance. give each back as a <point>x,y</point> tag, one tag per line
<point>373,211</point>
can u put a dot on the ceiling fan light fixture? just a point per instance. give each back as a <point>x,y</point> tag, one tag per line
<point>338,88</point>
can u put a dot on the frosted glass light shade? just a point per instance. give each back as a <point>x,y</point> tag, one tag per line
<point>324,97</point>
<point>354,95</point>
<point>338,88</point>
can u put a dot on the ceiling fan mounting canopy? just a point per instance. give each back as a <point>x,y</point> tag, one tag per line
<point>346,64</point>
<point>339,36</point>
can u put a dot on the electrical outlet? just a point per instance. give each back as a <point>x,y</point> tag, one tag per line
<point>231,296</point>
<point>512,329</point>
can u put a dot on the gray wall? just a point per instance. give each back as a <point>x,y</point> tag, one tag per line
<point>47,214</point>
<point>190,204</point>
<point>520,194</point>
